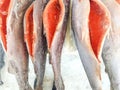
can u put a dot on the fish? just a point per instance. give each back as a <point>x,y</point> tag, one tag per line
<point>111,47</point>
<point>16,48</point>
<point>55,19</point>
<point>4,7</point>
<point>35,39</point>
<point>90,25</point>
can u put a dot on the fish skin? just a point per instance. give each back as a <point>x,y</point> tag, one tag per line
<point>16,47</point>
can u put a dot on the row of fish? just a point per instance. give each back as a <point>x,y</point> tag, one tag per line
<point>37,27</point>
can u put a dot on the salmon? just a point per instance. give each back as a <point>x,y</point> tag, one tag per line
<point>55,19</point>
<point>4,6</point>
<point>36,40</point>
<point>118,1</point>
<point>88,20</point>
<point>111,47</point>
<point>16,47</point>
